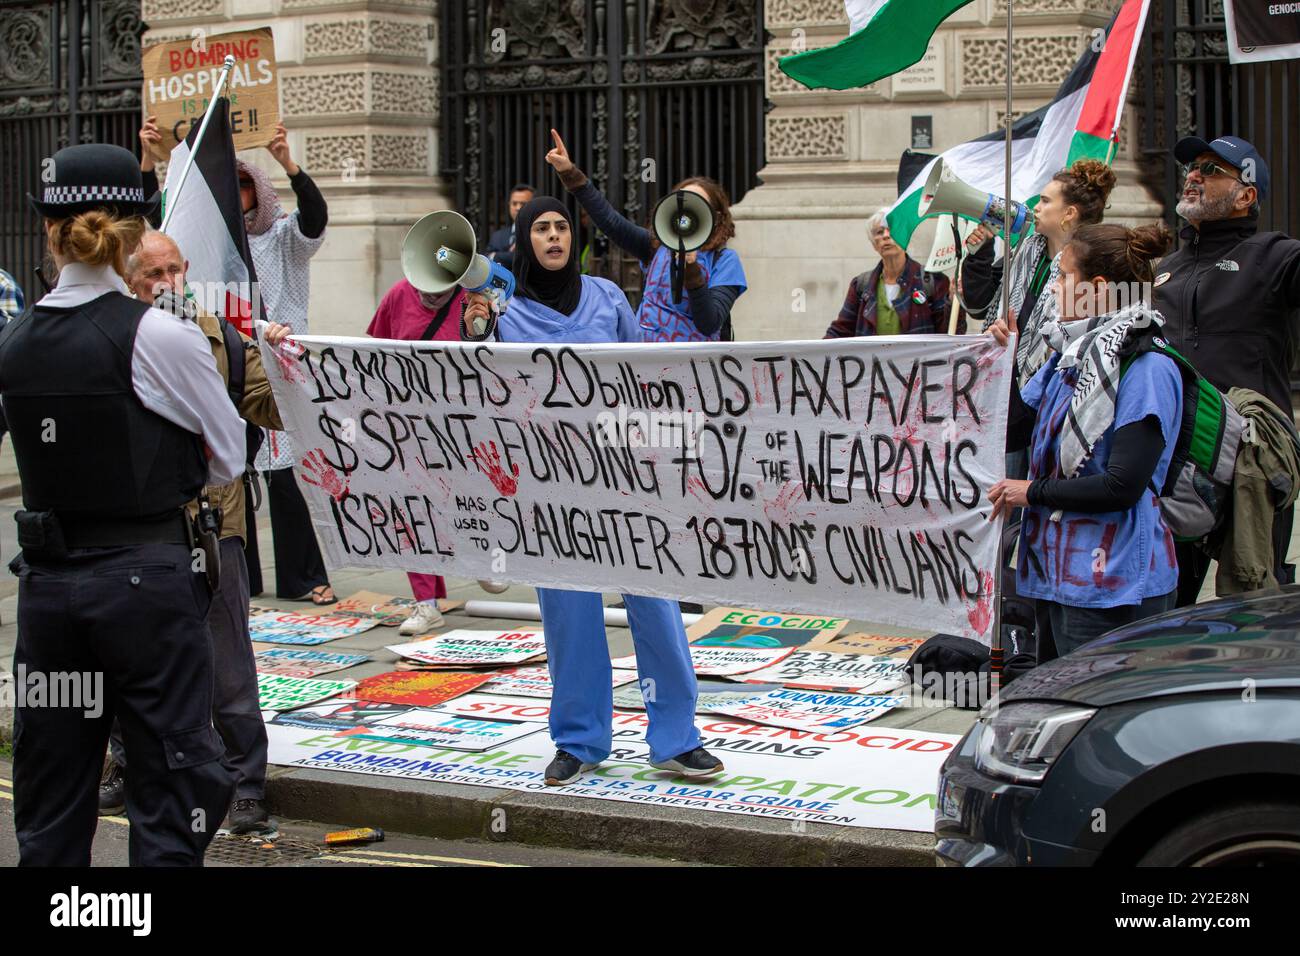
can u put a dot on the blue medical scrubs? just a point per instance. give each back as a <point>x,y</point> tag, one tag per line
<point>577,651</point>
<point>665,320</point>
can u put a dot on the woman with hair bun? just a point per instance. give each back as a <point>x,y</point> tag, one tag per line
<point>1074,197</point>
<point>1100,419</point>
<point>119,418</point>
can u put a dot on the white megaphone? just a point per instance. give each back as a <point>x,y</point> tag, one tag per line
<point>683,221</point>
<point>441,251</point>
<point>945,192</point>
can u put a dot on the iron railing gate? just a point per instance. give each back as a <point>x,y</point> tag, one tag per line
<point>644,92</point>
<point>70,73</point>
<point>1190,89</point>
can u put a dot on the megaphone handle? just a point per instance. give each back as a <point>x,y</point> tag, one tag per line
<point>678,274</point>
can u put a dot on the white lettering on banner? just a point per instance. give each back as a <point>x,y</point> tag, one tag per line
<point>843,477</point>
<point>846,777</point>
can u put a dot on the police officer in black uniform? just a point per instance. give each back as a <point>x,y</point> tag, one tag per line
<point>1230,296</point>
<point>118,419</point>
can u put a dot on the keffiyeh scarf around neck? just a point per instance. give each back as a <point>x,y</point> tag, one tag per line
<point>1094,349</point>
<point>1031,351</point>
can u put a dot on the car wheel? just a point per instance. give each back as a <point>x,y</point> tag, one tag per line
<point>1246,834</point>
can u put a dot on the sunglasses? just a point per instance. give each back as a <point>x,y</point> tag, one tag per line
<point>1209,168</point>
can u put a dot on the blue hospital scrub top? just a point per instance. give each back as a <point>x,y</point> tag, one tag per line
<point>602,315</point>
<point>663,320</point>
<point>1111,559</point>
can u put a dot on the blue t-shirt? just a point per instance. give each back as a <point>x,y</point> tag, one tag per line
<point>662,319</point>
<point>602,315</point>
<point>1111,559</point>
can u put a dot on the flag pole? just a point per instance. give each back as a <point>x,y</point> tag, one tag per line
<point>995,651</point>
<point>226,67</point>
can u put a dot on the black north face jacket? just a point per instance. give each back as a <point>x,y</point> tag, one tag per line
<point>1230,297</point>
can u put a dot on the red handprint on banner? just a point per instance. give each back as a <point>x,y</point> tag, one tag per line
<point>315,471</point>
<point>490,464</point>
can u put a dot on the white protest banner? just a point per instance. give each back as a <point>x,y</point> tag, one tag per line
<point>275,692</point>
<point>468,648</point>
<point>823,670</point>
<point>722,661</point>
<point>843,478</point>
<point>535,681</point>
<point>808,710</point>
<point>430,728</point>
<point>711,694</point>
<point>292,663</point>
<point>274,626</point>
<point>496,706</point>
<point>849,778</point>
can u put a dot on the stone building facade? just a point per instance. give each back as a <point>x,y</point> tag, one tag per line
<point>359,95</point>
<point>359,82</point>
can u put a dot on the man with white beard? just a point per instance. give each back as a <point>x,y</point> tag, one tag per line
<point>1230,296</point>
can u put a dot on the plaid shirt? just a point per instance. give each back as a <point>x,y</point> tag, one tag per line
<point>11,298</point>
<point>918,312</point>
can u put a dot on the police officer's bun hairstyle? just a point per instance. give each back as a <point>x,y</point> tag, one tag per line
<point>1118,253</point>
<point>1086,185</point>
<point>96,237</point>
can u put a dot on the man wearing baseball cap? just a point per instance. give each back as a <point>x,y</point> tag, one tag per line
<point>1230,295</point>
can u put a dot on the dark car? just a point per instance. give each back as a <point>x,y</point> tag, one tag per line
<point>1174,741</point>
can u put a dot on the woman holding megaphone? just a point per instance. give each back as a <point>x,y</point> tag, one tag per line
<point>713,277</point>
<point>555,303</point>
<point>1074,197</point>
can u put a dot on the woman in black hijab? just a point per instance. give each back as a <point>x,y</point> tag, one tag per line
<point>560,288</point>
<point>555,303</point>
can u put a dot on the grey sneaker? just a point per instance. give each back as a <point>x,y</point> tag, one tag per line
<point>694,763</point>
<point>566,768</point>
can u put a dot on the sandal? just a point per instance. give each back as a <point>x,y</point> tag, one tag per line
<point>317,596</point>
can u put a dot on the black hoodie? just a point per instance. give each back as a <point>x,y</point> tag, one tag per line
<point>1230,297</point>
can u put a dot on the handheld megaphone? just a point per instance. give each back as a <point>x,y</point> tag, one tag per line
<point>944,192</point>
<point>683,221</point>
<point>441,251</point>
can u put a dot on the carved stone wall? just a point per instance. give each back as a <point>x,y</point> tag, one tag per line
<point>359,96</point>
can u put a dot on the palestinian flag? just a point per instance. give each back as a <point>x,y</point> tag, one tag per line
<point>885,36</point>
<point>208,224</point>
<point>1082,122</point>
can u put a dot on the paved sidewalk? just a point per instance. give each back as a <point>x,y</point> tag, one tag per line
<point>453,811</point>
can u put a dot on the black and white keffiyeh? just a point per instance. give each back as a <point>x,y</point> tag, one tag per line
<point>1031,351</point>
<point>1094,349</point>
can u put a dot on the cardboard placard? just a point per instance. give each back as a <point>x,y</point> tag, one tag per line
<point>744,627</point>
<point>873,645</point>
<point>179,78</point>
<point>289,662</point>
<point>277,692</point>
<point>418,689</point>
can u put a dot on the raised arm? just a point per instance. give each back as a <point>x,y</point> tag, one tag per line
<point>624,233</point>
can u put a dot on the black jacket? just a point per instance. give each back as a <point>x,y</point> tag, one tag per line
<point>1230,297</point>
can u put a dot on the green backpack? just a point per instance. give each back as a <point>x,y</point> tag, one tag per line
<point>1199,481</point>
